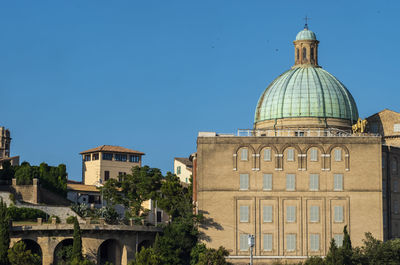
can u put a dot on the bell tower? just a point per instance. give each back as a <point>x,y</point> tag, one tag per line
<point>305,48</point>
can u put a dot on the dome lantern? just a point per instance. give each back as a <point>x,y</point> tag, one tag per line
<point>306,48</point>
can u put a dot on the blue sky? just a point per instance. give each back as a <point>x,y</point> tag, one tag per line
<point>149,75</point>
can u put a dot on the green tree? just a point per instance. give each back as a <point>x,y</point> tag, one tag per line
<point>6,173</point>
<point>19,255</point>
<point>4,233</point>
<point>333,258</point>
<point>346,249</point>
<point>146,256</point>
<point>213,257</point>
<point>77,244</point>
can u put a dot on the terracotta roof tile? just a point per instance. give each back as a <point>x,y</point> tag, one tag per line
<point>185,161</point>
<point>112,148</point>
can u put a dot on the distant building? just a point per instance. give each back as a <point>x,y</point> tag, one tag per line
<point>183,168</point>
<point>387,124</point>
<point>104,162</point>
<point>5,142</point>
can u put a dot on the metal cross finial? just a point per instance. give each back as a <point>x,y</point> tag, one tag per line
<point>306,19</point>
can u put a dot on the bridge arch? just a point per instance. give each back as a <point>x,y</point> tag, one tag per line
<point>110,251</point>
<point>62,251</point>
<point>33,246</point>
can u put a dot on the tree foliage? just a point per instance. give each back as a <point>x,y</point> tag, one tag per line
<point>77,244</point>
<point>6,173</point>
<point>146,256</point>
<point>4,233</point>
<point>19,255</point>
<point>212,256</point>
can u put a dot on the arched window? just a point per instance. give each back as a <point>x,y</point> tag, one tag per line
<point>304,53</point>
<point>312,53</point>
<point>298,53</point>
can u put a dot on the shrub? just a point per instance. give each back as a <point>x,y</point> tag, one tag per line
<point>25,214</point>
<point>71,219</point>
<point>57,219</point>
<point>12,198</point>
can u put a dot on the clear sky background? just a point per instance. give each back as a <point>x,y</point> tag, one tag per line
<point>149,75</point>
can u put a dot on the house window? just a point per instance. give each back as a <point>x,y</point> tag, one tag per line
<point>178,170</point>
<point>244,242</point>
<point>314,182</point>
<point>267,154</point>
<point>338,214</point>
<point>290,154</point>
<point>291,242</point>
<point>394,165</point>
<point>95,156</point>
<point>159,216</point>
<point>267,182</point>
<point>120,157</point>
<point>106,175</point>
<point>338,182</point>
<point>244,154</point>
<point>396,127</point>
<point>267,242</point>
<point>314,154</point>
<point>290,182</point>
<point>121,176</point>
<point>299,134</point>
<point>186,180</point>
<point>86,158</point>
<point>267,214</point>
<point>314,242</point>
<point>396,207</point>
<point>298,53</point>
<point>244,181</point>
<point>290,214</point>
<point>338,239</point>
<point>134,158</point>
<point>338,155</point>
<point>314,214</point>
<point>107,156</point>
<point>244,214</point>
<point>312,53</point>
<point>395,186</point>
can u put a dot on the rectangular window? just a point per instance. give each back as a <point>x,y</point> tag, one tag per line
<point>314,154</point>
<point>338,182</point>
<point>267,214</point>
<point>290,154</point>
<point>396,207</point>
<point>121,176</point>
<point>290,182</point>
<point>267,182</point>
<point>338,214</point>
<point>244,181</point>
<point>95,156</point>
<point>244,154</point>
<point>395,186</point>
<point>134,158</point>
<point>314,214</point>
<point>338,239</point>
<point>106,175</point>
<point>291,242</point>
<point>314,242</point>
<point>338,155</point>
<point>178,170</point>
<point>394,165</point>
<point>86,158</point>
<point>314,182</point>
<point>120,157</point>
<point>244,242</point>
<point>267,154</point>
<point>244,214</point>
<point>267,242</point>
<point>291,214</point>
<point>396,127</point>
<point>107,156</point>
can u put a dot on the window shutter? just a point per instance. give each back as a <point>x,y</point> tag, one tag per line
<point>314,213</point>
<point>338,212</point>
<point>267,214</point>
<point>290,154</point>
<point>338,182</point>
<point>267,181</point>
<point>267,242</point>
<point>244,213</point>
<point>314,242</point>
<point>338,155</point>
<point>338,240</point>
<point>244,181</point>
<point>291,242</point>
<point>290,182</point>
<point>244,245</point>
<point>314,154</point>
<point>291,214</point>
<point>244,154</point>
<point>314,182</point>
<point>267,154</point>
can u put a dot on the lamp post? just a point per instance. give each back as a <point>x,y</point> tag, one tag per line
<point>251,244</point>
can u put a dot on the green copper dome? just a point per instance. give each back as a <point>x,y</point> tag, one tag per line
<point>306,34</point>
<point>306,92</point>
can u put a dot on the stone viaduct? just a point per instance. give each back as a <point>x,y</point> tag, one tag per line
<point>101,243</point>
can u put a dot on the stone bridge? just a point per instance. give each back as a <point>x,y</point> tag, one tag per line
<point>101,243</point>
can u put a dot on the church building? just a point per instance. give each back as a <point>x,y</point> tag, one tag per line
<point>308,168</point>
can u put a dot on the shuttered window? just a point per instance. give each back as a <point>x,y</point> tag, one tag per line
<point>291,214</point>
<point>244,154</point>
<point>267,182</point>
<point>338,214</point>
<point>290,154</point>
<point>291,242</point>
<point>290,182</point>
<point>314,182</point>
<point>267,242</point>
<point>267,214</point>
<point>338,182</point>
<point>244,181</point>
<point>314,154</point>
<point>244,243</point>
<point>267,154</point>
<point>338,239</point>
<point>244,214</point>
<point>338,155</point>
<point>314,242</point>
<point>395,186</point>
<point>314,214</point>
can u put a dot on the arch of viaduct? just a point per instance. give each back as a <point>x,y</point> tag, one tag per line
<point>118,242</point>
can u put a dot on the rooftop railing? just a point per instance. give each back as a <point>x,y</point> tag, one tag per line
<point>329,132</point>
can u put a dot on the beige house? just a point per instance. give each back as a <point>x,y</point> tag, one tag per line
<point>104,162</point>
<point>301,174</point>
<point>5,143</point>
<point>183,168</point>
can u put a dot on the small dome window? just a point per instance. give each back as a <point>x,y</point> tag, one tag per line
<point>304,53</point>
<point>312,53</point>
<point>298,53</point>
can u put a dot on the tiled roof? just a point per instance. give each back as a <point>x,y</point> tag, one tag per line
<point>81,187</point>
<point>185,161</point>
<point>112,148</point>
